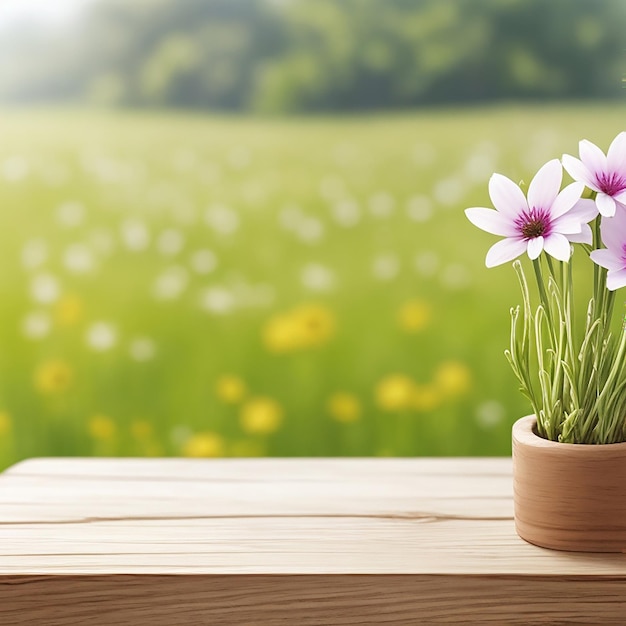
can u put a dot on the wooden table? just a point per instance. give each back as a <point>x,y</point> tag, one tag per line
<point>292,542</point>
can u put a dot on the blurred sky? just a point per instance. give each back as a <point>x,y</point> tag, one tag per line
<point>13,12</point>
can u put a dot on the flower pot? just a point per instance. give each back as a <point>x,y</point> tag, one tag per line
<point>568,496</point>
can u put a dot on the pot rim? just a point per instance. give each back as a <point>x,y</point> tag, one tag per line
<point>524,433</point>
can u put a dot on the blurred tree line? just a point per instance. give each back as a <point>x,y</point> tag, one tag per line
<point>319,55</point>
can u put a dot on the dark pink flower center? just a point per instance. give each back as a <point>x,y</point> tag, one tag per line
<point>610,183</point>
<point>534,223</point>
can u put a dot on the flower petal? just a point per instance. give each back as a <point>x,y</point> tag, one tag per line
<point>545,186</point>
<point>616,156</point>
<point>535,246</point>
<point>592,157</point>
<point>606,258</point>
<point>584,236</point>
<point>506,196</point>
<point>491,221</point>
<point>505,251</point>
<point>606,204</point>
<point>566,225</point>
<point>566,199</point>
<point>616,280</point>
<point>620,196</point>
<point>558,246</point>
<point>613,230</point>
<point>579,172</point>
<point>585,210</point>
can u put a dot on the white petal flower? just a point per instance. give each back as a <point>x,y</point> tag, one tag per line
<point>170,242</point>
<point>101,336</point>
<point>78,259</point>
<point>70,214</point>
<point>613,257</point>
<point>606,175</point>
<point>171,283</point>
<point>217,300</point>
<point>317,277</point>
<point>222,219</point>
<point>203,261</point>
<point>142,349</point>
<point>36,325</point>
<point>548,220</point>
<point>15,169</point>
<point>346,213</point>
<point>310,230</point>
<point>135,235</point>
<point>386,266</point>
<point>490,413</point>
<point>34,253</point>
<point>45,288</point>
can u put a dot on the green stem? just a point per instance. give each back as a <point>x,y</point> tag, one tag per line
<point>540,285</point>
<point>599,280</point>
<point>543,296</point>
<point>616,367</point>
<point>568,286</point>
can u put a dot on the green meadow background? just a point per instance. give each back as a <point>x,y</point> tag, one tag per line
<point>203,285</point>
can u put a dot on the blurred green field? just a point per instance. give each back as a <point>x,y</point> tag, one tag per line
<point>225,286</point>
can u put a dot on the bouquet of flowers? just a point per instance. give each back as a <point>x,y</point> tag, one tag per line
<point>574,376</point>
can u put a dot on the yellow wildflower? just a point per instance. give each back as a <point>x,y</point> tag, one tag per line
<point>282,334</point>
<point>53,376</point>
<point>414,316</point>
<point>141,429</point>
<point>102,427</point>
<point>69,310</point>
<point>306,326</point>
<point>395,392</point>
<point>426,397</point>
<point>260,416</point>
<point>344,407</point>
<point>453,378</point>
<point>206,444</point>
<point>230,389</point>
<point>316,324</point>
<point>6,423</point>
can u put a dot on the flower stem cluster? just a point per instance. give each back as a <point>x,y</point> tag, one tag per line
<point>575,379</point>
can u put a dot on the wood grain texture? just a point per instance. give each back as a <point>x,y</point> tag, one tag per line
<point>284,542</point>
<point>585,509</point>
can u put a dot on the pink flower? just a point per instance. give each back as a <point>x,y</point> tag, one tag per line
<point>548,220</point>
<point>613,258</point>
<point>606,175</point>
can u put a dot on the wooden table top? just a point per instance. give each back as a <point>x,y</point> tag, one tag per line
<point>284,541</point>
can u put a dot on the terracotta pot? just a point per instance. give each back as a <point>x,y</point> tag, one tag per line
<point>568,496</point>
